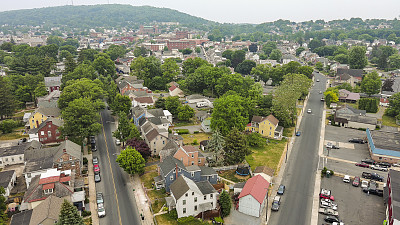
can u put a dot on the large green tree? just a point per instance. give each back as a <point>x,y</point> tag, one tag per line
<point>238,56</point>
<point>121,103</point>
<point>170,69</point>
<point>7,101</point>
<point>83,88</point>
<point>104,65</point>
<point>225,203</point>
<point>190,65</point>
<point>262,72</point>
<point>126,130</point>
<point>394,106</point>
<point>172,104</point>
<point>236,147</point>
<point>185,113</point>
<point>357,58</point>
<point>371,84</point>
<point>245,67</point>
<point>276,54</point>
<point>115,52</point>
<point>69,215</point>
<point>216,146</point>
<point>81,119</point>
<point>131,161</point>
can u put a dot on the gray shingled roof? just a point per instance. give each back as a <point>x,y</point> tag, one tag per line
<point>16,149</point>
<point>137,111</point>
<point>146,127</point>
<point>34,154</point>
<point>152,134</point>
<point>156,112</point>
<point>51,111</point>
<point>22,218</point>
<point>5,178</point>
<point>35,190</point>
<point>205,187</point>
<point>38,164</point>
<point>193,168</point>
<point>71,149</point>
<point>155,120</point>
<point>179,187</point>
<point>207,171</point>
<point>169,163</point>
<point>54,121</point>
<point>52,81</point>
<point>48,209</point>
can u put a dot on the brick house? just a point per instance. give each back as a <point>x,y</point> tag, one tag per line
<point>190,156</point>
<point>47,132</point>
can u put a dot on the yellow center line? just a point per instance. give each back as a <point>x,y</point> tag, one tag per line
<point>112,174</point>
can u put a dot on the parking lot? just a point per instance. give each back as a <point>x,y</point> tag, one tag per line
<point>354,206</point>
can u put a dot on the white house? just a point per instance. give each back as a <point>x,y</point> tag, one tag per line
<point>7,181</point>
<point>192,198</point>
<point>195,98</point>
<point>252,197</point>
<point>143,102</point>
<point>175,91</point>
<point>15,154</point>
<point>206,125</point>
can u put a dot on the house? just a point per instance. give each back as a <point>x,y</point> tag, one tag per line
<point>52,83</point>
<point>47,132</point>
<point>347,96</point>
<point>7,181</point>
<point>266,126</point>
<point>171,168</point>
<point>195,98</point>
<point>206,125</point>
<point>41,114</point>
<point>137,85</point>
<point>50,100</point>
<point>169,149</point>
<point>192,198</point>
<point>190,156</point>
<point>47,212</point>
<point>156,139</point>
<point>202,115</point>
<point>238,187</point>
<point>384,102</point>
<point>266,172</point>
<point>159,113</point>
<point>351,76</point>
<point>160,122</point>
<point>136,94</point>
<point>15,154</point>
<point>354,118</point>
<point>34,167</point>
<point>137,112</point>
<point>66,156</point>
<point>50,183</point>
<point>252,198</point>
<point>143,102</point>
<point>175,91</point>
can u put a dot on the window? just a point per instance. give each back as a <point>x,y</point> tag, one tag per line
<point>269,133</point>
<point>182,159</point>
<point>29,175</point>
<point>192,163</point>
<point>179,170</point>
<point>192,173</point>
<point>49,133</point>
<point>6,159</point>
<point>70,158</point>
<point>195,208</point>
<point>49,125</point>
<point>33,121</point>
<point>195,198</point>
<point>12,159</point>
<point>186,194</point>
<point>211,196</point>
<point>172,177</point>
<point>163,142</point>
<point>205,197</point>
<point>184,210</point>
<point>184,202</point>
<point>270,128</point>
<point>380,157</point>
<point>61,159</point>
<point>192,155</point>
<point>48,191</point>
<point>42,133</point>
<point>199,160</point>
<point>192,192</point>
<point>20,158</point>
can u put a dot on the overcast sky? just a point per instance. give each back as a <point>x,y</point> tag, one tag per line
<point>250,11</point>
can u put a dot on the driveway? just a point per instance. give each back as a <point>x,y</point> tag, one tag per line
<point>238,218</point>
<point>191,128</point>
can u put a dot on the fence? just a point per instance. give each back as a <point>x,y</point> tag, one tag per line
<point>223,168</point>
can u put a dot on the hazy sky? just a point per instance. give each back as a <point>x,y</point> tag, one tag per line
<point>246,11</point>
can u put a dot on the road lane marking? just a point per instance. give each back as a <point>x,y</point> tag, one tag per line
<point>112,174</point>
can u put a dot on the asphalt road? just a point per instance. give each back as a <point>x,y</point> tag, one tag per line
<point>299,176</point>
<point>119,201</point>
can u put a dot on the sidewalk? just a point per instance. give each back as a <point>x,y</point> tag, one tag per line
<point>142,201</point>
<point>92,188</point>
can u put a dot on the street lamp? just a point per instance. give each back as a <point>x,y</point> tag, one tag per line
<point>266,209</point>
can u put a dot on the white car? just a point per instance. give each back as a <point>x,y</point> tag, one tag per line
<point>375,167</point>
<point>309,111</point>
<point>336,223</point>
<point>101,212</point>
<point>346,179</point>
<point>364,184</point>
<point>117,142</point>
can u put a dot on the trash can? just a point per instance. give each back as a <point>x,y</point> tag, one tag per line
<point>328,174</point>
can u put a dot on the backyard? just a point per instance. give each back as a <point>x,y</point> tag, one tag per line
<point>389,121</point>
<point>189,138</point>
<point>156,196</point>
<point>17,133</point>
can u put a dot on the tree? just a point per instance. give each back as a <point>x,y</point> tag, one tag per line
<point>299,50</point>
<point>394,61</point>
<point>216,146</point>
<point>69,215</point>
<point>131,161</point>
<point>384,52</point>
<point>87,54</point>
<point>357,58</point>
<point>80,119</point>
<point>190,65</point>
<point>160,103</point>
<point>268,47</point>
<point>7,126</point>
<point>369,104</point>
<point>83,88</point>
<point>226,203</point>
<point>170,69</point>
<point>140,146</point>
<point>235,147</point>
<point>71,49</point>
<point>255,140</point>
<point>330,96</point>
<point>245,67</point>
<point>276,54</point>
<point>172,104</point>
<point>315,43</point>
<point>104,65</point>
<point>187,51</point>
<point>125,130</point>
<point>115,52</point>
<point>3,207</point>
<point>7,101</point>
<point>371,84</point>
<point>121,103</point>
<point>227,54</point>
<point>253,47</point>
<point>54,40</point>
<point>198,50</point>
<point>140,51</point>
<point>6,46</point>
<point>345,86</point>
<point>388,85</point>
<point>319,66</point>
<point>394,106</point>
<point>185,113</point>
<point>342,58</point>
<point>229,111</point>
<point>83,70</point>
<point>238,56</point>
<point>261,71</point>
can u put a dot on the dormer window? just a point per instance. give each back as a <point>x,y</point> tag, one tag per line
<point>48,191</point>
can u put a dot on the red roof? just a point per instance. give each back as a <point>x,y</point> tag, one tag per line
<point>384,100</point>
<point>172,88</point>
<point>49,180</point>
<point>144,99</point>
<point>65,179</point>
<point>48,186</point>
<point>256,187</point>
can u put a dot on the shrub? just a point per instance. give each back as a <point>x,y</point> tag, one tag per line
<point>7,126</point>
<point>173,214</point>
<point>182,131</point>
<point>186,220</point>
<point>85,161</point>
<point>86,213</point>
<point>369,104</point>
<point>255,140</point>
<point>196,132</point>
<point>195,142</point>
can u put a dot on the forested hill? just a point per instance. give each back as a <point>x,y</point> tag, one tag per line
<point>110,15</point>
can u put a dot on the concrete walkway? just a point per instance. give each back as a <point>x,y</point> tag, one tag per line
<point>92,189</point>
<point>142,201</point>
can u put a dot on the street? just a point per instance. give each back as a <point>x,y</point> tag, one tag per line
<point>299,175</point>
<point>119,199</point>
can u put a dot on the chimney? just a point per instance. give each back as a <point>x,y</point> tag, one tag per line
<point>176,169</point>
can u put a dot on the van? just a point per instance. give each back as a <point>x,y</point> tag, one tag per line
<point>201,104</point>
<point>346,179</point>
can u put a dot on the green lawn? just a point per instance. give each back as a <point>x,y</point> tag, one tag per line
<point>232,176</point>
<point>16,134</point>
<point>389,121</point>
<point>164,219</point>
<point>268,155</point>
<point>189,138</point>
<point>157,204</point>
<point>185,123</point>
<point>147,178</point>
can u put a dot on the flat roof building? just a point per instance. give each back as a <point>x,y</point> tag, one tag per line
<point>384,146</point>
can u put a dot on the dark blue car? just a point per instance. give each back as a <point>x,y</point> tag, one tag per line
<point>281,189</point>
<point>298,133</point>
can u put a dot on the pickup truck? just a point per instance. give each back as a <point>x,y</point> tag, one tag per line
<point>328,212</point>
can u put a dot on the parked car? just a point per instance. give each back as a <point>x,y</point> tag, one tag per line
<point>328,211</point>
<point>356,182</point>
<point>373,191</point>
<point>326,203</point>
<point>317,80</point>
<point>92,140</point>
<point>322,99</point>
<point>362,165</point>
<point>330,197</point>
<point>281,189</point>
<point>97,178</point>
<point>117,142</point>
<point>309,111</point>
<point>366,175</point>
<point>368,161</point>
<point>329,145</point>
<point>320,92</point>
<point>346,179</point>
<point>96,168</point>
<point>276,203</point>
<point>377,177</point>
<point>376,167</point>
<point>364,184</point>
<point>93,148</point>
<point>298,133</point>
<point>384,164</point>
<point>331,219</point>
<point>357,140</point>
<point>95,160</point>
<point>99,198</point>
<point>101,212</point>
<point>337,223</point>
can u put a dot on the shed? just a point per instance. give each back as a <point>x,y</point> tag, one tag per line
<point>252,197</point>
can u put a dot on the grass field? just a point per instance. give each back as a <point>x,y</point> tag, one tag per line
<point>189,138</point>
<point>389,121</point>
<point>268,155</point>
<point>16,134</point>
<point>232,176</point>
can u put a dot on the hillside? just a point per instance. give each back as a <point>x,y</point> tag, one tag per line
<point>114,15</point>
